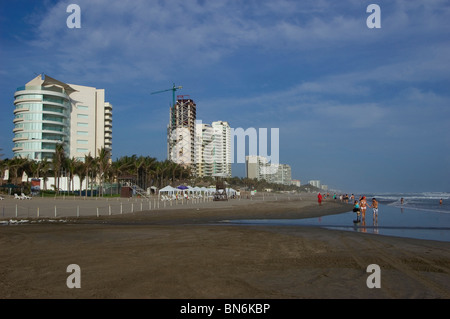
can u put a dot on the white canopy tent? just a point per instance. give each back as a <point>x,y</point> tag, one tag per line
<point>169,190</point>
<point>231,192</point>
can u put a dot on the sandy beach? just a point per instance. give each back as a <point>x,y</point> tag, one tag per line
<point>186,252</point>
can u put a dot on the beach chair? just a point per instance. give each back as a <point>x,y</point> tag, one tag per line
<point>25,196</point>
<point>17,196</point>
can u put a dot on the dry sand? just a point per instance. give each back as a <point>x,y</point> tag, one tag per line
<point>183,253</point>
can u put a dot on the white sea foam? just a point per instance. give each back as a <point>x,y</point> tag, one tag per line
<point>425,201</point>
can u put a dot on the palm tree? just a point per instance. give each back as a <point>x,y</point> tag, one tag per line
<point>2,170</point>
<point>2,167</point>
<point>149,169</point>
<point>58,163</point>
<point>103,165</point>
<point>120,167</point>
<point>166,166</point>
<point>159,170</point>
<point>43,170</point>
<point>88,165</point>
<point>71,164</point>
<point>15,167</point>
<point>138,168</point>
<point>35,167</point>
<point>172,170</point>
<point>80,170</point>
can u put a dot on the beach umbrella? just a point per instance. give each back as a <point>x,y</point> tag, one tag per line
<point>182,187</point>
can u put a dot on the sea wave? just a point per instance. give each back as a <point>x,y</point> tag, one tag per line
<point>406,196</point>
<point>425,201</point>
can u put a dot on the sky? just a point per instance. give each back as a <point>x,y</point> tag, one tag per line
<point>360,109</point>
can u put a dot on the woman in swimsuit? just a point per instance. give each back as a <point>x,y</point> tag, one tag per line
<point>363,204</point>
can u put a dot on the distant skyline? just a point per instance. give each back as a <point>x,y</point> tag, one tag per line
<point>361,110</point>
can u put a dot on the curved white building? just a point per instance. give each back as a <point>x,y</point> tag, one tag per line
<point>41,119</point>
<point>48,112</point>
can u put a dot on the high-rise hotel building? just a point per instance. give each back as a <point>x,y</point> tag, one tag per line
<point>48,112</point>
<point>213,149</point>
<point>204,148</point>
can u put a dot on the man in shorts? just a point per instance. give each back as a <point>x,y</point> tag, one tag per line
<point>375,208</point>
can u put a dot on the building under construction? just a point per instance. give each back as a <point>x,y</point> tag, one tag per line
<point>181,132</point>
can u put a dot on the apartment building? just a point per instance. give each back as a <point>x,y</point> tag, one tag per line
<point>48,112</point>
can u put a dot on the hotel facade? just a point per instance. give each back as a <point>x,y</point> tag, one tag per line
<point>48,112</point>
<point>213,149</point>
<point>204,148</point>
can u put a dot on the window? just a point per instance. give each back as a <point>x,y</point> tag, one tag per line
<point>82,150</point>
<point>82,141</point>
<point>82,116</point>
<point>82,107</point>
<point>82,133</point>
<point>82,124</point>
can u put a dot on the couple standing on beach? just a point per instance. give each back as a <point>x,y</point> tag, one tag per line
<point>362,206</point>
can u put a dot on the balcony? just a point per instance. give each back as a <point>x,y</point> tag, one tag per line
<point>20,138</point>
<point>53,92</point>
<point>27,100</point>
<point>21,109</point>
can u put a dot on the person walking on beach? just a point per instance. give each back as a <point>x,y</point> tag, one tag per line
<point>363,205</point>
<point>375,209</point>
<point>357,210</point>
<point>319,199</point>
<point>440,201</point>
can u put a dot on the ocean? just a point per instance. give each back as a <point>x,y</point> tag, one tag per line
<point>420,216</point>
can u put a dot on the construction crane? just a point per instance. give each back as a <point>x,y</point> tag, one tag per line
<point>173,89</point>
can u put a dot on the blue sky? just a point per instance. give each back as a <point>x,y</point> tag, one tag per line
<point>362,110</point>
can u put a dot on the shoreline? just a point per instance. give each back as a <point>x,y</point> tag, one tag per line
<point>181,254</point>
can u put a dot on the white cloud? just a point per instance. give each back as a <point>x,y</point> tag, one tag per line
<point>135,39</point>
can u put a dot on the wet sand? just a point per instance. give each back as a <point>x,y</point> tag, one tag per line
<point>186,253</point>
